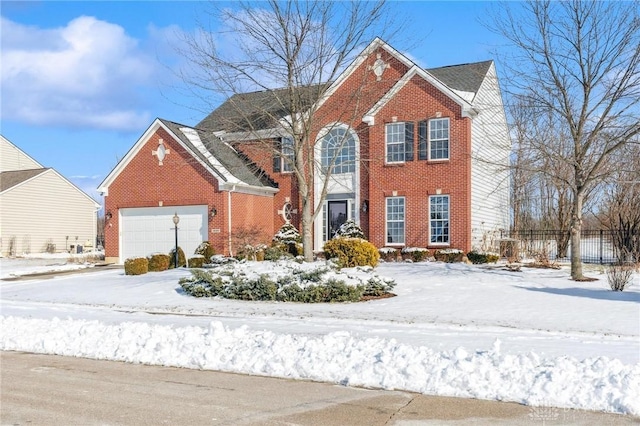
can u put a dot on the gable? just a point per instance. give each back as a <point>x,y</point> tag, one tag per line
<point>14,178</point>
<point>216,157</point>
<point>13,158</point>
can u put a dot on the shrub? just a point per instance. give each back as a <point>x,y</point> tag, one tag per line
<point>415,254</point>
<point>205,249</point>
<point>477,257</point>
<point>158,262</point>
<point>275,252</point>
<point>136,266</point>
<point>196,261</point>
<point>288,240</point>
<point>350,229</point>
<point>619,276</point>
<point>388,254</point>
<point>449,255</point>
<point>182,260</point>
<point>351,252</point>
<point>201,284</point>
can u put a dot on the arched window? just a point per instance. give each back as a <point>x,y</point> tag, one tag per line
<point>338,148</point>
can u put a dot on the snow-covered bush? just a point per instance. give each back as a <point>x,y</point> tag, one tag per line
<point>288,240</point>
<point>351,252</point>
<point>196,261</point>
<point>449,255</point>
<point>388,254</point>
<point>205,249</point>
<point>350,229</point>
<point>415,254</point>
<point>286,281</point>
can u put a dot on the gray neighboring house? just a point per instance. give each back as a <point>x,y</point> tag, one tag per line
<point>40,210</point>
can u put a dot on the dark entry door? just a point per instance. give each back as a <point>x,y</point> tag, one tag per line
<point>337,215</point>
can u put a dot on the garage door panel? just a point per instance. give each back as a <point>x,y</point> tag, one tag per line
<point>150,230</point>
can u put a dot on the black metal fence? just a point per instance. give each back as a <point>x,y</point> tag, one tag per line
<point>597,246</point>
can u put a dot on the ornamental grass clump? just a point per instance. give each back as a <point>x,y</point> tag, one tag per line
<point>136,266</point>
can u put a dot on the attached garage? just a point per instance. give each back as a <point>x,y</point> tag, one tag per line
<point>147,230</point>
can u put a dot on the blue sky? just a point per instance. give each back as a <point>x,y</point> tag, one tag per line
<point>81,81</point>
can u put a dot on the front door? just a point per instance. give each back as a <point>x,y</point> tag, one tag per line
<point>337,215</point>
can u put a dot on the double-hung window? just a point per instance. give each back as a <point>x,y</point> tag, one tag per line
<point>399,142</point>
<point>439,139</point>
<point>433,139</point>
<point>395,220</point>
<point>284,155</point>
<point>439,219</point>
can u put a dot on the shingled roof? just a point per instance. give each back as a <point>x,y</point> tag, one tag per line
<point>245,112</point>
<point>465,77</point>
<point>15,177</point>
<point>233,161</point>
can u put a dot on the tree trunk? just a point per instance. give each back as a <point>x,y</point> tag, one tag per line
<point>576,234</point>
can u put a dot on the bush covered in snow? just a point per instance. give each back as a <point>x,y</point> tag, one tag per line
<point>350,229</point>
<point>449,255</point>
<point>388,254</point>
<point>205,249</point>
<point>288,240</point>
<point>196,261</point>
<point>351,252</point>
<point>286,281</point>
<point>415,254</point>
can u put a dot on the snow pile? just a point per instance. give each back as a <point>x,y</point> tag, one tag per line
<point>340,357</point>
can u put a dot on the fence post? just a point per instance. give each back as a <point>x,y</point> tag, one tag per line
<point>601,245</point>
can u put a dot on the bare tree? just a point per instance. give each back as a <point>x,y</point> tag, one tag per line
<point>298,48</point>
<point>577,62</point>
<point>620,207</point>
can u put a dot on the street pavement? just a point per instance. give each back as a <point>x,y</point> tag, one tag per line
<point>54,390</point>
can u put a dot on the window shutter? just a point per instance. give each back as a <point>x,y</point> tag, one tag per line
<point>408,141</point>
<point>277,149</point>
<point>422,140</point>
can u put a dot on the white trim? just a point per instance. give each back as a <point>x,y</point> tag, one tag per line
<point>466,107</point>
<point>220,175</point>
<point>439,244</point>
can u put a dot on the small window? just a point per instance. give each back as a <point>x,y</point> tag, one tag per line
<point>395,220</point>
<point>399,142</point>
<point>439,139</point>
<point>439,219</point>
<point>284,155</point>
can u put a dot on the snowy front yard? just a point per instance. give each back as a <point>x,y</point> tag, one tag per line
<point>533,337</point>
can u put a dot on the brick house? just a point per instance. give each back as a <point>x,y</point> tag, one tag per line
<point>420,161</point>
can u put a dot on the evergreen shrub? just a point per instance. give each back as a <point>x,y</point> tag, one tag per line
<point>288,240</point>
<point>182,260</point>
<point>351,252</point>
<point>388,254</point>
<point>136,266</point>
<point>205,249</point>
<point>415,254</point>
<point>350,229</point>
<point>477,257</point>
<point>158,262</point>
<point>196,261</point>
<point>449,255</point>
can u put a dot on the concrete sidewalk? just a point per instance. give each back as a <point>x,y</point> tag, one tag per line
<point>53,390</point>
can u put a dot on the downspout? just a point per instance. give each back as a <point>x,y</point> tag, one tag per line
<point>229,218</point>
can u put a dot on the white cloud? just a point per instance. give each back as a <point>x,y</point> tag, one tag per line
<point>88,74</point>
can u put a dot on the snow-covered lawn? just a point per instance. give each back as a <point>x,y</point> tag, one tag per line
<point>533,337</point>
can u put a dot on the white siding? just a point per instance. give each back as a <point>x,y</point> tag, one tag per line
<point>46,209</point>
<point>12,158</point>
<point>491,147</point>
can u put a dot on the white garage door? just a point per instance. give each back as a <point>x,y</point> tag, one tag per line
<point>148,230</point>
